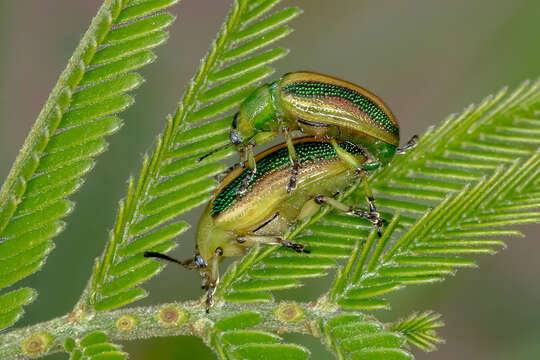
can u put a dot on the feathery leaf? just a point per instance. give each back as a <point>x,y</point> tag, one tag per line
<point>233,339</point>
<point>356,337</point>
<point>69,133</point>
<point>172,181</point>
<point>94,346</point>
<point>419,330</point>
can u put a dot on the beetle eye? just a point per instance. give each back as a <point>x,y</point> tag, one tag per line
<point>235,137</point>
<point>200,261</point>
<point>235,121</point>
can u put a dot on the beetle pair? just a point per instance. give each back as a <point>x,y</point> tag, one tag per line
<point>352,131</point>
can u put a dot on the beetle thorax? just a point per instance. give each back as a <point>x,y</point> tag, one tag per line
<point>256,114</point>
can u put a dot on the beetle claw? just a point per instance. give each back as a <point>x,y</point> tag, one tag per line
<point>210,296</point>
<point>295,246</point>
<point>291,185</point>
<point>372,216</point>
<point>409,145</point>
<point>245,182</point>
<point>292,180</point>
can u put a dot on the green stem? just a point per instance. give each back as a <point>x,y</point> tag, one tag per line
<point>77,325</point>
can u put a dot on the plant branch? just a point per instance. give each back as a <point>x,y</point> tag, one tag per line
<point>159,321</point>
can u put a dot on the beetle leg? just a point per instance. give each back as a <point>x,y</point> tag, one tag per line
<point>370,162</point>
<point>409,145</point>
<point>252,165</point>
<point>292,245</point>
<point>252,240</point>
<point>345,156</point>
<point>204,282</point>
<point>213,278</point>
<point>367,191</point>
<point>244,156</point>
<point>371,215</point>
<point>293,159</point>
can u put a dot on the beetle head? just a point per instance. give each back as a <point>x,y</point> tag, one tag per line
<point>255,115</point>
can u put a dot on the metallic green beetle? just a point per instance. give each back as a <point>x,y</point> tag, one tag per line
<point>318,105</point>
<point>233,222</point>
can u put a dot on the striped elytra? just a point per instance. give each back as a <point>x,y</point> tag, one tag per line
<point>312,151</point>
<point>329,101</point>
<point>324,91</point>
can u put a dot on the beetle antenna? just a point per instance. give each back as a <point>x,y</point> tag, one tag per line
<point>187,264</point>
<point>213,152</point>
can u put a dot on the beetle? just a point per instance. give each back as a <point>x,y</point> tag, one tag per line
<point>231,222</point>
<point>318,105</point>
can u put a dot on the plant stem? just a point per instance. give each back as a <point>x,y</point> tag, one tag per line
<point>78,324</point>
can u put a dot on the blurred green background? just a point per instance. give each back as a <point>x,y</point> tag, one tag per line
<point>426,59</point>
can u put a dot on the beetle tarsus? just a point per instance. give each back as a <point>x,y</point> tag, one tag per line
<point>210,297</point>
<point>409,145</point>
<point>292,181</point>
<point>249,161</point>
<point>292,158</point>
<point>372,216</point>
<point>371,202</point>
<point>295,246</point>
<point>245,182</point>
<point>213,278</point>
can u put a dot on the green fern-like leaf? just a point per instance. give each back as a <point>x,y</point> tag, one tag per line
<point>465,223</point>
<point>233,339</point>
<point>69,133</point>
<point>172,181</point>
<point>356,337</point>
<point>419,330</point>
<point>439,243</point>
<point>423,241</point>
<point>94,346</point>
